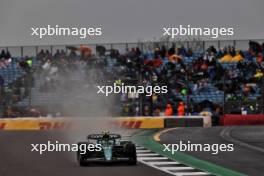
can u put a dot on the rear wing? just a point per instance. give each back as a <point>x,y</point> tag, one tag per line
<point>100,136</point>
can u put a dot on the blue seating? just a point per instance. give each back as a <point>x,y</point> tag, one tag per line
<point>11,72</point>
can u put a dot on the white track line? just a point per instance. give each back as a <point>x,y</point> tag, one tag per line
<point>140,148</point>
<point>151,159</point>
<point>190,173</point>
<point>176,168</point>
<point>146,163</point>
<point>143,151</point>
<point>154,158</point>
<point>163,163</point>
<point>147,154</point>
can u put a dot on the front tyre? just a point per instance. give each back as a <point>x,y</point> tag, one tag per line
<point>131,153</point>
<point>81,157</point>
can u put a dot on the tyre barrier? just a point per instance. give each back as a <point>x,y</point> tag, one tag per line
<point>122,122</point>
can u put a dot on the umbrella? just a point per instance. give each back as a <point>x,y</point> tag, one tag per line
<point>255,46</point>
<point>85,48</point>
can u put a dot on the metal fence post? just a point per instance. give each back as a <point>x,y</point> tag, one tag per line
<point>188,45</point>
<point>188,92</point>
<point>66,50</point>
<point>224,89</point>
<point>21,51</point>
<point>51,49</point>
<point>36,50</point>
<point>96,53</point>
<point>262,82</point>
<point>142,47</point>
<point>30,89</point>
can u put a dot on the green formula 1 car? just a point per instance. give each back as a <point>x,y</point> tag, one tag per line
<point>108,148</point>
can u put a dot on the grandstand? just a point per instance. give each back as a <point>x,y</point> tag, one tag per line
<point>201,76</point>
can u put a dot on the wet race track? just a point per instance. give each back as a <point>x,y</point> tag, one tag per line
<point>248,154</point>
<point>17,158</point>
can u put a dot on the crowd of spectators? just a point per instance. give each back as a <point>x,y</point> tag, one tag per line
<point>237,73</point>
<point>185,76</point>
<point>15,81</point>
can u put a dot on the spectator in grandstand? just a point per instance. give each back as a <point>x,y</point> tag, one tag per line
<point>232,51</point>
<point>182,51</point>
<point>10,112</point>
<point>41,55</point>
<point>163,52</point>
<point>212,50</point>
<point>33,112</point>
<point>208,56</point>
<point>259,74</point>
<point>259,58</point>
<point>50,71</point>
<point>175,58</point>
<point>156,112</point>
<point>3,54</point>
<point>255,48</point>
<point>46,66</point>
<point>57,55</point>
<point>73,55</point>
<point>181,109</point>
<point>2,83</point>
<point>8,55</point>
<point>48,55</point>
<point>233,74</point>
<point>100,50</point>
<point>25,64</point>
<point>217,113</point>
<point>62,54</point>
<point>147,111</point>
<point>168,110</point>
<point>202,85</point>
<point>247,89</point>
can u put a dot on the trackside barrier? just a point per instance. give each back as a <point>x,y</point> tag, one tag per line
<point>122,122</point>
<point>34,124</point>
<point>237,119</point>
<point>183,122</point>
<point>139,122</point>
